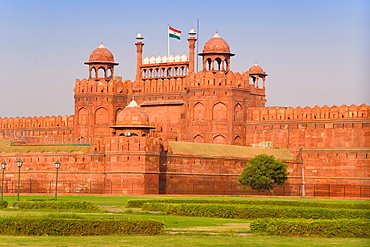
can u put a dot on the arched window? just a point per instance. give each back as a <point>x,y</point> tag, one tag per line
<point>117,112</point>
<point>109,73</point>
<point>218,64</point>
<point>198,139</point>
<point>238,141</point>
<point>238,113</point>
<point>219,139</point>
<point>219,111</point>
<point>101,116</point>
<point>198,111</point>
<point>82,116</point>
<point>93,73</point>
<point>101,73</point>
<point>209,64</point>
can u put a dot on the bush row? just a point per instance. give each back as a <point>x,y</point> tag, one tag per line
<point>138,203</point>
<point>3,204</point>
<point>341,228</point>
<point>255,211</point>
<point>78,227</point>
<point>60,204</point>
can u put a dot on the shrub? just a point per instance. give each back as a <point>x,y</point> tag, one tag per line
<point>138,203</point>
<point>3,204</point>
<point>63,226</point>
<point>341,228</point>
<point>60,204</point>
<point>254,211</point>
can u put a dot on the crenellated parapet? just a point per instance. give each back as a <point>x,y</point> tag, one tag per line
<point>100,85</point>
<point>29,123</point>
<point>133,144</point>
<point>225,80</point>
<point>161,85</point>
<point>277,114</point>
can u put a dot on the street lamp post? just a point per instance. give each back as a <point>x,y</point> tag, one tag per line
<point>19,164</point>
<point>3,166</point>
<point>57,165</point>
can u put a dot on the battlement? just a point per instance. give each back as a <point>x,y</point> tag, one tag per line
<point>126,144</point>
<point>161,85</point>
<point>47,122</point>
<point>277,114</point>
<point>101,85</point>
<point>229,79</point>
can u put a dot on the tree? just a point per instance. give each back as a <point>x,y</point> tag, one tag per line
<point>263,173</point>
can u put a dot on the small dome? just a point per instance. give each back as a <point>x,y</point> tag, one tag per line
<point>164,59</point>
<point>158,59</point>
<point>171,59</point>
<point>139,36</point>
<point>184,57</point>
<point>192,32</point>
<point>216,45</point>
<point>101,54</point>
<point>132,115</point>
<point>256,69</point>
<point>177,58</point>
<point>146,60</point>
<point>152,59</point>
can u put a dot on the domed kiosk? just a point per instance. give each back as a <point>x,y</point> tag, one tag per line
<point>101,59</point>
<point>257,73</point>
<point>132,121</point>
<point>216,54</point>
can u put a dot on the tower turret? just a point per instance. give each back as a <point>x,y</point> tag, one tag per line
<point>191,41</point>
<point>139,55</point>
<point>216,54</point>
<point>101,59</point>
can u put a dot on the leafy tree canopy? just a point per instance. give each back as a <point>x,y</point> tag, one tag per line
<point>263,173</point>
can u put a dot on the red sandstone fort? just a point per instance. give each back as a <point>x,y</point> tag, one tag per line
<point>175,130</point>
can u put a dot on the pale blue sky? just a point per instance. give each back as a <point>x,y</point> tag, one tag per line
<point>316,52</point>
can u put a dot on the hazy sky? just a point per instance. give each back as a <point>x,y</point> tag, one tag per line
<point>315,52</point>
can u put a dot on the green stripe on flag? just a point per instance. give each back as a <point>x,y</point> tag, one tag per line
<point>174,36</point>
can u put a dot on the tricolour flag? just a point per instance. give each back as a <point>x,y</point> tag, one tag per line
<point>174,33</point>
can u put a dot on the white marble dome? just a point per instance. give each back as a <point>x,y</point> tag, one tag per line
<point>171,59</point>
<point>177,58</point>
<point>184,57</point>
<point>158,59</point>
<point>164,59</point>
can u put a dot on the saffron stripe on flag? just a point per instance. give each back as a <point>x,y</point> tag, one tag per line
<point>173,29</point>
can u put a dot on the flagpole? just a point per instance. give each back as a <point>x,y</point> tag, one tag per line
<point>168,40</point>
<point>198,44</point>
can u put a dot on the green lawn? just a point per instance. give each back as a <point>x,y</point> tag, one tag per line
<point>180,240</point>
<point>181,230</point>
<point>5,147</point>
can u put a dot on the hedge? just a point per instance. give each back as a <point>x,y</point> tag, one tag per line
<point>255,211</point>
<point>3,204</point>
<point>60,204</point>
<point>341,228</point>
<point>138,203</point>
<point>78,227</point>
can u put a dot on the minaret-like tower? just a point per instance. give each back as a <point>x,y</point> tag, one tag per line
<point>191,41</point>
<point>139,55</point>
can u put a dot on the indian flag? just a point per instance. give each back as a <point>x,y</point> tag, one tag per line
<point>174,33</point>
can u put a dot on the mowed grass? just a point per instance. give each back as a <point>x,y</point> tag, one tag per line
<point>179,241</point>
<point>181,230</point>
<point>5,147</point>
<point>122,200</point>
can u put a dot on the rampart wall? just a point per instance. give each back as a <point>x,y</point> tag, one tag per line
<point>34,128</point>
